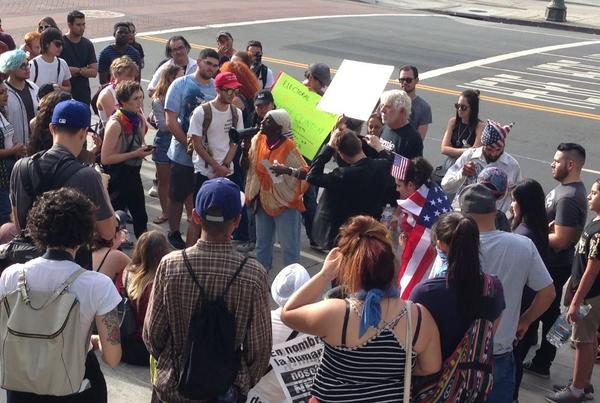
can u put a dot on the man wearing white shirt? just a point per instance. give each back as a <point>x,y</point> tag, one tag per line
<point>177,50</point>
<point>466,168</point>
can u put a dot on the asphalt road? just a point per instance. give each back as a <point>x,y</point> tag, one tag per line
<point>551,94</point>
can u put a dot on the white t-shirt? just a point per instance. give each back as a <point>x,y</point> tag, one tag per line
<point>218,136</point>
<point>96,293</point>
<point>190,68</point>
<point>8,131</point>
<point>49,73</point>
<point>514,259</point>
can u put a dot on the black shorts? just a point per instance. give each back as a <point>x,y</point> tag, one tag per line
<point>199,179</point>
<point>181,183</point>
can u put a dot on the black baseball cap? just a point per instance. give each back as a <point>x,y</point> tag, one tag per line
<point>263,97</point>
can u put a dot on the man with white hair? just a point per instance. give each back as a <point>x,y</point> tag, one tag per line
<point>395,110</point>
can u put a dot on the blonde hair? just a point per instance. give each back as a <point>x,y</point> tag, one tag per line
<point>122,65</point>
<point>167,76</point>
<point>149,250</point>
<point>30,37</point>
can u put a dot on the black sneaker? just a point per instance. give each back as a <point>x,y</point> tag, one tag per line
<point>536,370</point>
<point>176,240</point>
<point>588,391</point>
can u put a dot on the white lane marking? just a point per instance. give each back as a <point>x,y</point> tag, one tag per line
<point>501,58</point>
<point>538,75</point>
<point>584,58</point>
<point>268,21</point>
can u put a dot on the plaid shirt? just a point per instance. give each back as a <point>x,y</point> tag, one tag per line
<point>175,296</point>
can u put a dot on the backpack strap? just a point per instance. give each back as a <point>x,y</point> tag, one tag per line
<point>64,169</point>
<point>22,284</point>
<point>207,120</point>
<point>58,71</point>
<point>345,325</point>
<point>189,268</point>
<point>35,77</point>
<point>234,276</point>
<point>408,360</point>
<point>263,75</point>
<point>234,116</point>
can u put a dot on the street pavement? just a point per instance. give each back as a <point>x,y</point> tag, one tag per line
<point>544,80</point>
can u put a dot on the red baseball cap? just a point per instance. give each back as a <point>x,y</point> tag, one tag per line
<point>227,80</point>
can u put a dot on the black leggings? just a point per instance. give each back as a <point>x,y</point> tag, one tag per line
<point>96,394</point>
<point>127,192</point>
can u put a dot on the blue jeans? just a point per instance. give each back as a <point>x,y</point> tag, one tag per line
<point>287,227</point>
<point>504,379</point>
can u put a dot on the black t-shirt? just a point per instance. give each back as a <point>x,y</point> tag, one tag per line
<point>566,205</point>
<point>440,299</point>
<point>80,54</point>
<point>587,248</point>
<point>407,141</point>
<point>25,95</point>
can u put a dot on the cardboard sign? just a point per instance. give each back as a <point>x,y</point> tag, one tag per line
<point>355,89</point>
<point>310,126</point>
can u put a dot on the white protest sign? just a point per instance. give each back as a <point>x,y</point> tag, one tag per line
<point>355,89</point>
<point>295,363</point>
<point>255,397</point>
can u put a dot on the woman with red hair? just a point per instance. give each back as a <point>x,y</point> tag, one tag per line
<point>366,345</point>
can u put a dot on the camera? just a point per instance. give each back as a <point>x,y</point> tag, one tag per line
<point>237,137</point>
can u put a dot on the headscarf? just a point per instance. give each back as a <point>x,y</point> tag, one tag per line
<point>12,60</point>
<point>282,118</point>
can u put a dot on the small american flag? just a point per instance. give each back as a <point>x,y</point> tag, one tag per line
<point>400,166</point>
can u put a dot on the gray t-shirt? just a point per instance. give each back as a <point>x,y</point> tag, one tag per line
<point>86,180</point>
<point>566,205</point>
<point>515,260</point>
<point>420,113</point>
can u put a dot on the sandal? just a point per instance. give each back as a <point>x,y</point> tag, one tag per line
<point>160,219</point>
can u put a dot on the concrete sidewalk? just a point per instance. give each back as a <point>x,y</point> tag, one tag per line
<point>582,16</point>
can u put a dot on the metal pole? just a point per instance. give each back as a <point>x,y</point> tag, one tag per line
<point>556,11</point>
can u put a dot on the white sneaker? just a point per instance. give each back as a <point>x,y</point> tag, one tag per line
<point>153,192</point>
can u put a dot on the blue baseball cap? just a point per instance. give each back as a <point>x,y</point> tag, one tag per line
<point>494,179</point>
<point>219,199</point>
<point>73,114</point>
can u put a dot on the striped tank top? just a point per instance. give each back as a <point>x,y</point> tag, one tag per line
<point>370,372</point>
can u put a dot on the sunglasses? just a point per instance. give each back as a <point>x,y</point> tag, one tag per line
<point>58,44</point>
<point>406,80</point>
<point>43,27</point>
<point>230,91</point>
<point>460,107</point>
<point>24,66</point>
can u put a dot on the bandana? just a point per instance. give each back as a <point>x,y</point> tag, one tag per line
<point>129,120</point>
<point>494,133</point>
<point>371,315</point>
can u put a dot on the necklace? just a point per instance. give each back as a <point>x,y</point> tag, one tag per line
<point>461,140</point>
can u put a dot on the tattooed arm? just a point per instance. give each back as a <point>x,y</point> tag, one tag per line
<point>110,337</point>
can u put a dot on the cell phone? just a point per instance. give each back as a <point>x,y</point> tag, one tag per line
<point>149,148</point>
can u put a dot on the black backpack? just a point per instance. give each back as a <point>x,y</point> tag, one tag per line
<point>210,358</point>
<point>22,249</point>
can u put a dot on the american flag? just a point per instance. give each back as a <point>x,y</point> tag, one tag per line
<point>400,166</point>
<point>494,133</point>
<point>421,210</point>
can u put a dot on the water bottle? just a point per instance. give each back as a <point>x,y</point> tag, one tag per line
<point>560,332</point>
<point>387,215</point>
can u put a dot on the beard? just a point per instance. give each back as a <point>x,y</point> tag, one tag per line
<point>560,174</point>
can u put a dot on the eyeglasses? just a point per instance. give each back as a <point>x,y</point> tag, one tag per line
<point>461,107</point>
<point>230,91</point>
<point>24,66</point>
<point>178,48</point>
<point>43,27</point>
<point>406,80</point>
<point>58,44</point>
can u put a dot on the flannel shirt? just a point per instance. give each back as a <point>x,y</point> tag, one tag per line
<point>175,296</point>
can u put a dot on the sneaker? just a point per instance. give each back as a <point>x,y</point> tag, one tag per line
<point>565,396</point>
<point>536,370</point>
<point>588,390</point>
<point>176,240</point>
<point>153,192</point>
<point>245,247</point>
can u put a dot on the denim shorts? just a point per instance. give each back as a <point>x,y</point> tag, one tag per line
<point>162,140</point>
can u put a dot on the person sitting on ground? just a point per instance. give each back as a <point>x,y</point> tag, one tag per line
<point>286,283</point>
<point>60,222</point>
<point>41,138</point>
<point>32,45</point>
<point>136,283</point>
<point>48,68</point>
<point>373,317</point>
<point>107,258</point>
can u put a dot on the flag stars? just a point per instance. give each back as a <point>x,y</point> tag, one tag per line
<point>427,218</point>
<point>437,213</point>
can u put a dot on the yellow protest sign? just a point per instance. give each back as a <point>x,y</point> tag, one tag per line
<point>310,126</point>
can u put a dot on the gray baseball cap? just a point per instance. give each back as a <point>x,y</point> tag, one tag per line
<point>477,199</point>
<point>321,72</point>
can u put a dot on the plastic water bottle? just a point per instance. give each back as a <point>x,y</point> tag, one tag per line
<point>560,332</point>
<point>387,215</point>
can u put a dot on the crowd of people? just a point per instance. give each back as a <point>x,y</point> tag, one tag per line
<point>441,276</point>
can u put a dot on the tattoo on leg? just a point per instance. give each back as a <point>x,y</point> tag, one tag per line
<point>111,321</point>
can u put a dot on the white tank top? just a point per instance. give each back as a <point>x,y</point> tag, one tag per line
<point>101,113</point>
